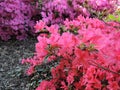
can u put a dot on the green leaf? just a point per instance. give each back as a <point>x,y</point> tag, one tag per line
<point>119,18</point>
<point>111,17</point>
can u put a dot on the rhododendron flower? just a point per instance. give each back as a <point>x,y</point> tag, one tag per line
<point>117,55</point>
<point>53,40</point>
<point>67,42</point>
<point>53,29</point>
<point>31,70</point>
<point>64,86</point>
<point>70,79</point>
<point>81,57</point>
<point>113,85</point>
<point>46,85</point>
<point>39,25</point>
<point>96,83</point>
<point>88,87</point>
<point>41,46</point>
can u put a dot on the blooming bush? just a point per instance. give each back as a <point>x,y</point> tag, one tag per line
<point>16,18</point>
<point>56,11</point>
<point>88,52</point>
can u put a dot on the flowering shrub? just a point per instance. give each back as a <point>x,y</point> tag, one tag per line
<point>16,18</point>
<point>88,52</point>
<point>56,11</point>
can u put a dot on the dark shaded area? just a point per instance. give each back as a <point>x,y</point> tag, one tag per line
<point>12,72</point>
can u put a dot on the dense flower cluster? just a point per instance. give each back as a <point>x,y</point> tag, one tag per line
<point>15,18</point>
<point>56,11</point>
<point>89,54</point>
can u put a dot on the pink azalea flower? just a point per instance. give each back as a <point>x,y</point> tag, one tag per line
<point>39,26</point>
<point>46,85</point>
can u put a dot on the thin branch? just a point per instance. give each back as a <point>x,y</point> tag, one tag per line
<point>104,68</point>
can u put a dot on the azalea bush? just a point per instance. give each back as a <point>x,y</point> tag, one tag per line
<point>19,17</point>
<point>87,50</point>
<point>16,18</point>
<point>56,11</point>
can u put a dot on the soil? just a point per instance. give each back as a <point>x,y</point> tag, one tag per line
<point>12,72</point>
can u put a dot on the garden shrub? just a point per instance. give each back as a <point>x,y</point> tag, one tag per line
<point>56,11</point>
<point>88,52</point>
<point>19,17</point>
<point>16,18</point>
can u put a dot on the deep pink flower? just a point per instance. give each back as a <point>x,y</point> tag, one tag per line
<point>46,85</point>
<point>70,78</point>
<point>113,85</point>
<point>30,70</point>
<point>64,86</point>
